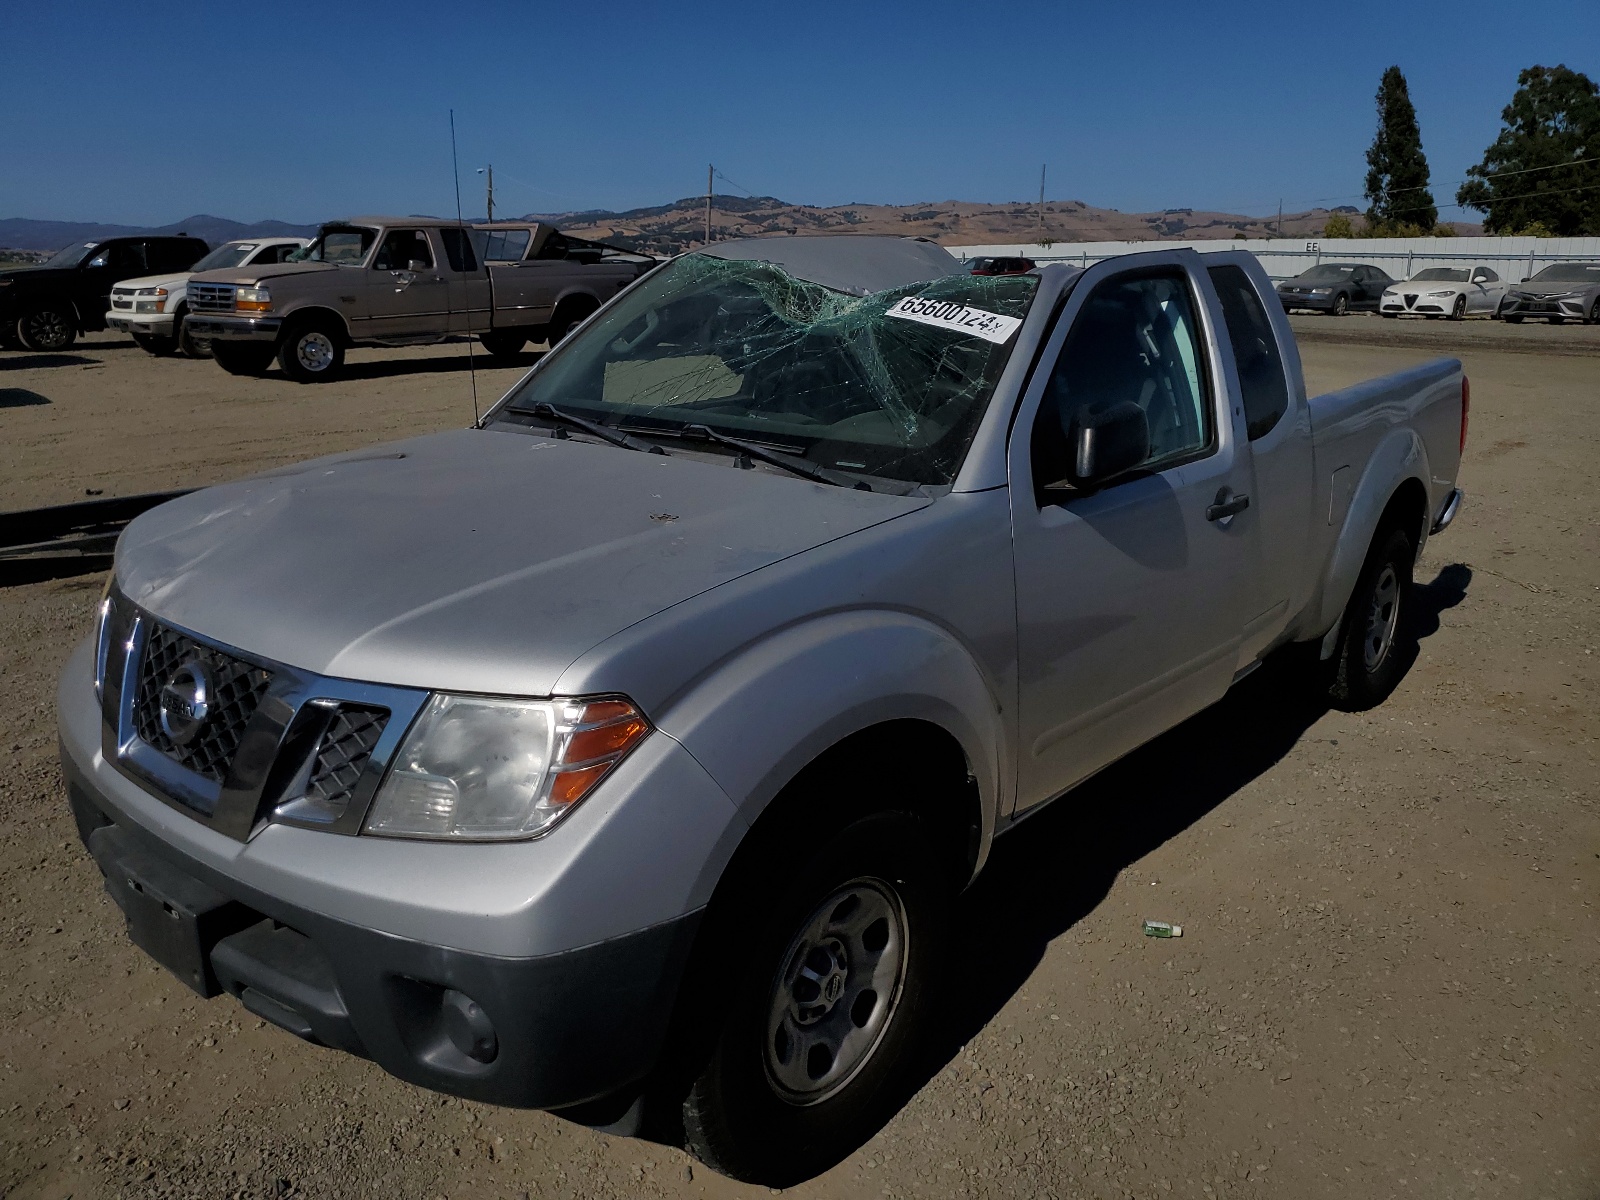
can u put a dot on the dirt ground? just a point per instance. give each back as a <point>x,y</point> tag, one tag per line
<point>1387,984</point>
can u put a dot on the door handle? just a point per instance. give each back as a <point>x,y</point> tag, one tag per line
<point>1228,503</point>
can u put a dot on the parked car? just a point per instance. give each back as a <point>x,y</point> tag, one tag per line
<point>1561,292</point>
<point>405,281</point>
<point>1453,292</point>
<point>48,306</point>
<point>153,309</point>
<point>1334,288</point>
<point>622,754</point>
<point>1002,266</point>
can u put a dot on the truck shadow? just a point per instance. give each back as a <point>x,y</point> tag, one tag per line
<point>29,362</point>
<point>1039,885</point>
<point>20,398</point>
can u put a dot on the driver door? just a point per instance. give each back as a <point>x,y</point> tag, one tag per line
<point>407,295</point>
<point>1130,597</point>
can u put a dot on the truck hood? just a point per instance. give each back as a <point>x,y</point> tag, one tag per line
<point>250,276</point>
<point>150,281</point>
<point>474,560</point>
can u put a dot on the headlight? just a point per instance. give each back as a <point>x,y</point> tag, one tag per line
<point>1440,295</point>
<point>1320,291</point>
<point>252,299</point>
<point>478,768</point>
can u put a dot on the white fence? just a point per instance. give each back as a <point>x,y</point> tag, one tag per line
<point>1513,257</point>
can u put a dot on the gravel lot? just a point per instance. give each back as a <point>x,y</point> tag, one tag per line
<point>1387,984</point>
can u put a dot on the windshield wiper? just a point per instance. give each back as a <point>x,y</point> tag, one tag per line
<point>626,441</point>
<point>798,466</point>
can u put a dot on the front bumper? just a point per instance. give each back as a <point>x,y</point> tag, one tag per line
<point>1319,303</point>
<point>563,953</point>
<point>1538,306</point>
<point>234,329</point>
<point>545,1032</point>
<point>152,324</point>
<point>1419,306</point>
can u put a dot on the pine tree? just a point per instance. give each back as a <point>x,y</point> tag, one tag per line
<point>1397,170</point>
<point>1542,172</point>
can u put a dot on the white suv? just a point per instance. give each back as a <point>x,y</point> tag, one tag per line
<point>153,308</point>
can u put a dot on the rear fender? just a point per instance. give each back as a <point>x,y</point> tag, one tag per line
<point>756,720</point>
<point>1399,457</point>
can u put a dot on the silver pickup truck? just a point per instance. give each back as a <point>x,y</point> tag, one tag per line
<point>405,281</point>
<point>622,755</point>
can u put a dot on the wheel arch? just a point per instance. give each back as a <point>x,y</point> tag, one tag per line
<point>317,314</point>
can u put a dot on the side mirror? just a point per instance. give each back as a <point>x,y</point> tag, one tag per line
<point>1106,440</point>
<point>416,264</point>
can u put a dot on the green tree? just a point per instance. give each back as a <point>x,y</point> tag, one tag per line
<point>1535,174</point>
<point>1338,226</point>
<point>1397,170</point>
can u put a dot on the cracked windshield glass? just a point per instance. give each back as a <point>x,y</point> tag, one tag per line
<point>891,384</point>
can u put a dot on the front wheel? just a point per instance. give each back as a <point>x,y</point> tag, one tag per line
<point>1459,311</point>
<point>310,353</point>
<point>1594,313</point>
<point>1369,660</point>
<point>189,345</point>
<point>1341,305</point>
<point>155,343</point>
<point>244,359</point>
<point>47,328</point>
<point>830,971</point>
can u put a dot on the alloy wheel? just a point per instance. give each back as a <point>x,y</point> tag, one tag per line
<point>314,351</point>
<point>1383,617</point>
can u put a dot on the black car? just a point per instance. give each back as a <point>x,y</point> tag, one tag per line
<point>1335,288</point>
<point>48,306</point>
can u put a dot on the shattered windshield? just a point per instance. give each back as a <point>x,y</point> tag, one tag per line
<point>888,384</point>
<point>346,245</point>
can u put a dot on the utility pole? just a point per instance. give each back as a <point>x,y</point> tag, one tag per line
<point>1042,167</point>
<point>490,172</point>
<point>1280,216</point>
<point>710,172</point>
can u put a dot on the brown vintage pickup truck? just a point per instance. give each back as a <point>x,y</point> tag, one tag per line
<point>404,281</point>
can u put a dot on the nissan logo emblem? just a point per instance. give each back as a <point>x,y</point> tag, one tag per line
<point>185,703</point>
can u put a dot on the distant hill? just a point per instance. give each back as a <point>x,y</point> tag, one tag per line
<point>18,233</point>
<point>669,228</point>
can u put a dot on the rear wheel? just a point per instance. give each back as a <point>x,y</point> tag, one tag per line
<point>819,998</point>
<point>1459,310</point>
<point>566,320</point>
<point>1369,661</point>
<point>311,352</point>
<point>244,359</point>
<point>503,343</point>
<point>1341,305</point>
<point>48,328</point>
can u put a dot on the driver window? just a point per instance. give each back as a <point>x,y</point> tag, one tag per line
<point>1135,338</point>
<point>400,247</point>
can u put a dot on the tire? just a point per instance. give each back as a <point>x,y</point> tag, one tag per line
<point>156,344</point>
<point>246,359</point>
<point>821,998</point>
<point>1369,661</point>
<point>1594,313</point>
<point>47,328</point>
<point>1341,306</point>
<point>503,344</point>
<point>311,352</point>
<point>1458,311</point>
<point>189,345</point>
<point>564,322</point>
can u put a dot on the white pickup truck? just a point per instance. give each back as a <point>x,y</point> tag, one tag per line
<point>622,755</point>
<point>155,308</point>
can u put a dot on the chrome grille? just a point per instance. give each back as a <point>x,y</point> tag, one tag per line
<point>342,756</point>
<point>211,297</point>
<point>237,687</point>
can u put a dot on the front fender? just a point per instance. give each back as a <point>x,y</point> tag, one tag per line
<point>1400,456</point>
<point>756,720</point>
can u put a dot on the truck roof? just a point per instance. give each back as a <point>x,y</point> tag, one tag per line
<point>430,222</point>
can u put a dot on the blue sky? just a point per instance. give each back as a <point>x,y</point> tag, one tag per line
<point>143,113</point>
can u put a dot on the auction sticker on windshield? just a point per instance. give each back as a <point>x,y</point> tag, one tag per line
<point>948,314</point>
